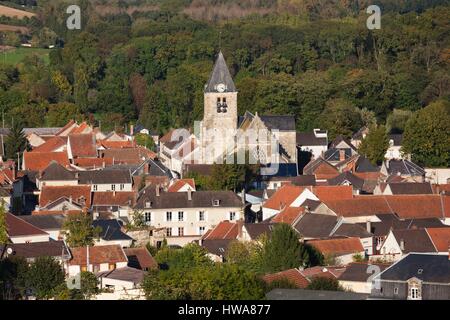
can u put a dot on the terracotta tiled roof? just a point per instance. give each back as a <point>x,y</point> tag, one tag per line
<point>128,155</point>
<point>288,215</point>
<point>63,130</point>
<point>98,255</point>
<point>441,188</point>
<point>140,258</point>
<point>327,193</point>
<point>321,169</point>
<point>82,128</point>
<point>37,161</point>
<point>177,185</point>
<point>93,162</point>
<point>55,212</point>
<point>224,230</point>
<point>17,227</point>
<point>52,193</point>
<point>338,246</point>
<point>116,144</point>
<point>52,144</point>
<point>82,145</point>
<point>283,197</point>
<point>368,175</point>
<point>326,272</point>
<point>111,198</point>
<point>292,275</point>
<point>440,238</point>
<point>360,206</point>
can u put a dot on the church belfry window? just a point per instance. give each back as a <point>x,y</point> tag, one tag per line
<point>222,105</point>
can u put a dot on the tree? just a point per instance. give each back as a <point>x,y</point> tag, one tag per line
<point>323,283</point>
<point>341,118</point>
<point>145,140</point>
<point>80,231</point>
<point>189,256</point>
<point>427,135</point>
<point>3,228</point>
<point>44,277</point>
<point>89,285</point>
<point>16,142</point>
<point>396,121</point>
<point>282,249</point>
<point>61,113</point>
<point>375,145</point>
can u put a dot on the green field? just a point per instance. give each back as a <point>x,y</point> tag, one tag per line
<point>16,56</point>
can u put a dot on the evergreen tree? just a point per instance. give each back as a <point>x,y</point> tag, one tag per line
<point>16,142</point>
<point>282,249</point>
<point>375,145</point>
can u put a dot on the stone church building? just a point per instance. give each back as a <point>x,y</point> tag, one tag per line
<point>221,133</point>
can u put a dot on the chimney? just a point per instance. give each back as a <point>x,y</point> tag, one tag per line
<point>240,225</point>
<point>341,155</point>
<point>402,244</point>
<point>114,193</point>
<point>189,192</point>
<point>243,196</point>
<point>369,226</point>
<point>146,168</point>
<point>70,199</point>
<point>131,130</point>
<point>157,190</point>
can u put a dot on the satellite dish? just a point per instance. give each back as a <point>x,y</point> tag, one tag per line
<point>9,251</point>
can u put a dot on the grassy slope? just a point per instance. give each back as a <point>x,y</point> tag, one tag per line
<point>16,56</point>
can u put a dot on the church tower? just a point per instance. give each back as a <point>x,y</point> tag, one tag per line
<point>220,112</point>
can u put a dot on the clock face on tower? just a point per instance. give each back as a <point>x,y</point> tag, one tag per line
<point>221,87</point>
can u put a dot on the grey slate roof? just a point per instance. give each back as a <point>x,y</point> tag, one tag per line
<point>45,222</point>
<point>105,176</point>
<point>411,188</point>
<point>415,240</point>
<point>257,229</point>
<point>305,294</point>
<point>220,74</point>
<point>364,165</point>
<point>356,182</point>
<point>333,154</point>
<point>310,139</point>
<point>426,267</point>
<point>39,249</point>
<point>272,122</point>
<point>390,221</point>
<point>404,167</point>
<point>358,271</point>
<point>314,225</point>
<point>218,247</point>
<point>111,230</point>
<point>174,200</point>
<point>133,275</point>
<point>55,171</point>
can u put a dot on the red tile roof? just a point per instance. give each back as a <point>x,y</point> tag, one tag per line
<point>70,124</point>
<point>17,227</point>
<point>111,198</point>
<point>116,144</point>
<point>338,246</point>
<point>93,162</point>
<point>55,212</point>
<point>224,230</point>
<point>82,128</point>
<point>37,161</point>
<point>52,193</point>
<point>292,275</point>
<point>288,215</point>
<point>177,185</point>
<point>327,193</point>
<point>326,272</point>
<point>283,197</point>
<point>97,255</point>
<point>52,144</point>
<point>83,145</point>
<point>143,257</point>
<point>440,238</point>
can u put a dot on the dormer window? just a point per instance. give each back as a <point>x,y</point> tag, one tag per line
<point>148,204</point>
<point>216,203</point>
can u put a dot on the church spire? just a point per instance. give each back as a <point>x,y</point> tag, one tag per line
<point>220,79</point>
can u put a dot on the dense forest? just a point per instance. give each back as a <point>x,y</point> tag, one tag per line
<point>148,61</point>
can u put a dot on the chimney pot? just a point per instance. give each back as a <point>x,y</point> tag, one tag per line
<point>189,192</point>
<point>369,226</point>
<point>157,190</point>
<point>402,244</point>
